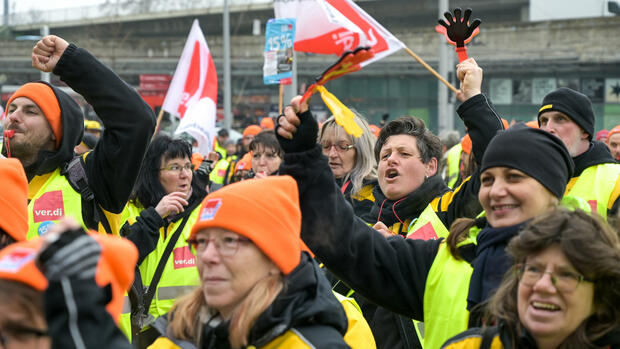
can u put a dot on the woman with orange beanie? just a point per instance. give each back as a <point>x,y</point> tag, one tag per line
<point>258,289</point>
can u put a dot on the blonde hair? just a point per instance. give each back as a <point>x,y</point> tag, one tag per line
<point>186,319</point>
<point>365,167</point>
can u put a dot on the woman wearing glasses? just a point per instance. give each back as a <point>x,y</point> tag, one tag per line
<point>441,281</point>
<point>563,291</point>
<point>158,218</point>
<point>258,289</point>
<point>352,161</point>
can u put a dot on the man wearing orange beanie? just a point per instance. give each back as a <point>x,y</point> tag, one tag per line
<point>43,124</point>
<point>13,202</point>
<point>66,281</point>
<point>613,142</point>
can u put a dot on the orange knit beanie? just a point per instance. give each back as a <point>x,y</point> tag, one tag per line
<point>14,199</point>
<point>252,130</point>
<point>264,210</point>
<point>17,264</point>
<point>45,98</point>
<point>115,267</point>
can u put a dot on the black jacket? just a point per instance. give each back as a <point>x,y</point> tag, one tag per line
<point>392,331</point>
<point>77,318</point>
<point>305,304</point>
<point>144,232</point>
<point>113,165</point>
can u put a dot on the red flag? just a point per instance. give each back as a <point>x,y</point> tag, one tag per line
<point>335,26</point>
<point>195,78</point>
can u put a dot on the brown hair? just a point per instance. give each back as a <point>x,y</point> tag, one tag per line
<point>428,143</point>
<point>22,296</point>
<point>592,247</point>
<point>186,321</point>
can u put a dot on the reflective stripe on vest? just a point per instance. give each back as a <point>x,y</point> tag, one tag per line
<point>595,185</point>
<point>445,298</point>
<point>180,274</point>
<point>453,164</point>
<point>54,200</point>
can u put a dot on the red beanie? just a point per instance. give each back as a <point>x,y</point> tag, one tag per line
<point>14,199</point>
<point>264,210</point>
<point>252,130</point>
<point>45,98</point>
<point>466,144</point>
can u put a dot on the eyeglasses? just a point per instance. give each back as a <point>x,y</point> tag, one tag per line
<point>177,168</point>
<point>14,336</point>
<point>563,281</point>
<point>340,146</point>
<point>226,245</point>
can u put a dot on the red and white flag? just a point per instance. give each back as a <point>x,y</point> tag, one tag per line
<point>335,26</point>
<point>195,78</point>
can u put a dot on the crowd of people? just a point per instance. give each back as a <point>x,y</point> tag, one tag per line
<point>302,235</point>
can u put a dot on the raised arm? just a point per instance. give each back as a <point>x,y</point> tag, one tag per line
<point>390,272</point>
<point>113,165</point>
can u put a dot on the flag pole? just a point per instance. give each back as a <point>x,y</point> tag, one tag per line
<point>430,69</point>
<point>159,117</point>
<point>280,100</point>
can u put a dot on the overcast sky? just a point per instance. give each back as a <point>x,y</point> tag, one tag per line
<point>25,5</point>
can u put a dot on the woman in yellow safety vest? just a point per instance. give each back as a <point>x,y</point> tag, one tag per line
<point>524,172</point>
<point>158,218</point>
<point>258,289</point>
<point>562,291</point>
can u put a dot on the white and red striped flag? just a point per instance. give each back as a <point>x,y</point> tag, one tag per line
<point>336,26</point>
<point>195,77</point>
<point>192,94</point>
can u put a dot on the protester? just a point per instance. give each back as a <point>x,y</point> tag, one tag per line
<point>258,288</point>
<point>602,135</point>
<point>93,127</point>
<point>411,192</point>
<point>220,141</point>
<point>248,135</point>
<point>158,217</point>
<point>568,114</point>
<point>55,290</point>
<point>267,123</point>
<point>563,291</point>
<point>47,124</point>
<point>352,161</point>
<point>266,154</point>
<point>613,142</point>
<point>13,202</point>
<point>430,280</point>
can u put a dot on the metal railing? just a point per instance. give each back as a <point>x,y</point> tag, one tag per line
<point>125,8</point>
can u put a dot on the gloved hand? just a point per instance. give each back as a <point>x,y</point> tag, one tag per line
<point>71,253</point>
<point>297,131</point>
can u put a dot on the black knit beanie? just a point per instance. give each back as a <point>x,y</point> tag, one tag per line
<point>572,103</point>
<point>534,152</point>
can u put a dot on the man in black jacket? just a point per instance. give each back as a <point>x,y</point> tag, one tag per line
<point>44,124</point>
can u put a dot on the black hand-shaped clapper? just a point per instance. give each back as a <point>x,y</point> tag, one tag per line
<point>459,30</point>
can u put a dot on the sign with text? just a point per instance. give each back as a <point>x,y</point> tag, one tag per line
<point>279,40</point>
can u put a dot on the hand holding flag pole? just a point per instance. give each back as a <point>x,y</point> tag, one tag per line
<point>459,31</point>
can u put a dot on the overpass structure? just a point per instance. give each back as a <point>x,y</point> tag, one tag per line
<point>521,59</point>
